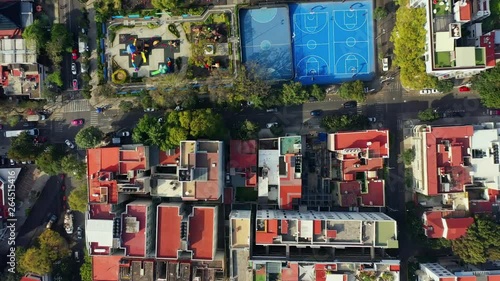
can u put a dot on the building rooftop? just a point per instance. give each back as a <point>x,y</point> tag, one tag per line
<point>99,235</point>
<point>134,229</point>
<point>185,229</point>
<point>291,227</point>
<point>290,180</point>
<point>452,270</point>
<point>243,161</point>
<point>105,268</point>
<point>268,170</point>
<point>100,211</point>
<point>111,167</point>
<point>240,226</point>
<point>31,277</point>
<point>170,157</point>
<point>485,157</point>
<point>443,224</point>
<point>376,142</point>
<point>447,149</point>
<point>137,270</point>
<point>369,194</point>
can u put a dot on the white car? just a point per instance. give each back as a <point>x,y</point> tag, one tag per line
<point>149,109</point>
<point>73,68</point>
<point>435,91</point>
<point>385,64</point>
<point>272,110</point>
<point>69,144</point>
<point>425,91</point>
<point>372,119</point>
<point>272,124</point>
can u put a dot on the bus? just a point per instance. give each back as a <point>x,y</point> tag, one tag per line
<point>16,133</point>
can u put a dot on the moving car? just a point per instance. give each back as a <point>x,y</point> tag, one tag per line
<point>272,110</point>
<point>74,54</point>
<point>464,89</point>
<point>272,124</point>
<point>69,144</point>
<point>75,85</point>
<point>350,104</point>
<point>73,68</point>
<point>385,64</point>
<point>317,113</point>
<point>77,122</point>
<point>52,220</point>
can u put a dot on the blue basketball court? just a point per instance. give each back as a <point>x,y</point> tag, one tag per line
<point>266,40</point>
<point>332,42</point>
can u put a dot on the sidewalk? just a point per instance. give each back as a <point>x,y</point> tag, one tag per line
<point>27,203</point>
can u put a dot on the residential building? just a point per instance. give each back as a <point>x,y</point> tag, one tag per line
<point>243,163</point>
<point>240,242</point>
<point>460,164</point>
<point>196,175</point>
<point>357,163</point>
<point>449,53</point>
<point>454,270</point>
<point>280,171</point>
<point>34,277</point>
<point>186,232</point>
<point>318,271</point>
<point>446,224</point>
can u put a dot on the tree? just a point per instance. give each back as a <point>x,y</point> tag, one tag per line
<point>409,38</point>
<point>149,132</point>
<point>65,270</point>
<point>198,56</point>
<point>202,123</point>
<point>36,34</point>
<point>380,13</point>
<point>487,84</point>
<point>294,93</point>
<point>247,130</point>
<point>147,101</point>
<point>344,123</point>
<point>165,4</point>
<point>317,92</point>
<point>251,83</point>
<point>13,120</point>
<point>444,86</point>
<point>354,90</point>
<point>277,130</point>
<point>481,242</point>
<point>23,149</point>
<point>89,137</point>
<point>55,78</point>
<point>72,166</point>
<point>49,161</point>
<point>77,199</point>
<point>428,115</point>
<point>86,268</point>
<point>126,106</point>
<point>408,156</point>
<point>105,90</point>
<point>49,94</point>
<point>39,259</point>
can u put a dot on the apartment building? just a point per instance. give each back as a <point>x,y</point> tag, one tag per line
<point>280,171</point>
<point>357,163</point>
<point>449,53</point>
<point>453,270</point>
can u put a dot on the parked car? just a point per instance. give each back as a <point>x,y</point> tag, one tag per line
<point>12,162</point>
<point>52,220</point>
<point>425,91</point>
<point>385,64</point>
<point>79,233</point>
<point>272,124</point>
<point>77,122</point>
<point>372,119</point>
<point>350,104</point>
<point>73,68</point>
<point>149,109</point>
<point>75,85</point>
<point>77,256</point>
<point>272,110</point>
<point>494,111</point>
<point>317,113</point>
<point>124,134</point>
<point>69,144</point>
<point>74,54</point>
<point>464,89</point>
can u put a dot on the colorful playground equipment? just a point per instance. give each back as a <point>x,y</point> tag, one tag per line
<point>142,48</point>
<point>164,68</point>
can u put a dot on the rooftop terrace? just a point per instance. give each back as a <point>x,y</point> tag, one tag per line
<point>134,230</point>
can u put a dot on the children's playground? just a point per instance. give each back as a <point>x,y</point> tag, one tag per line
<point>145,56</point>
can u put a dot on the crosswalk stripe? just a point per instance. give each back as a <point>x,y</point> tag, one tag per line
<point>94,118</point>
<point>77,106</point>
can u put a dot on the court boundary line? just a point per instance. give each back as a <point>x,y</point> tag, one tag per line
<point>314,13</point>
<point>255,46</point>
<point>352,30</point>
<point>305,45</point>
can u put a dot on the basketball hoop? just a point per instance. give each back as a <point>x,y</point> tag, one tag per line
<point>312,72</point>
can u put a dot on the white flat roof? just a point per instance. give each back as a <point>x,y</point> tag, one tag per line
<point>484,167</point>
<point>465,56</point>
<point>100,232</point>
<point>444,42</point>
<point>268,159</point>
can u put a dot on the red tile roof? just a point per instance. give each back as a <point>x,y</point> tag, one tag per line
<point>290,187</point>
<point>101,212</point>
<point>488,42</point>
<point>270,232</point>
<point>449,228</point>
<point>168,236</point>
<point>493,277</point>
<point>484,206</point>
<point>243,159</point>
<point>447,162</point>
<point>379,140</point>
<point>135,243</point>
<point>456,227</point>
<point>102,161</point>
<point>290,273</point>
<point>350,193</point>
<point>166,159</point>
<point>31,278</point>
<point>208,189</point>
<point>447,279</point>
<point>201,233</point>
<point>465,11</point>
<point>105,268</point>
<point>466,278</point>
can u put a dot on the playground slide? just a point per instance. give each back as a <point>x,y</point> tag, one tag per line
<point>144,57</point>
<point>156,72</point>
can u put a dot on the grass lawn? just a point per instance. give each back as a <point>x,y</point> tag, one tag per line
<point>443,59</point>
<point>219,18</point>
<point>260,277</point>
<point>246,194</point>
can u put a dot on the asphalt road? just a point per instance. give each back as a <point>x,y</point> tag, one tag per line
<point>69,15</point>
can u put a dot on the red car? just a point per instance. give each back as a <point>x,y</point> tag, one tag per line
<point>463,89</point>
<point>74,54</point>
<point>77,122</point>
<point>39,139</point>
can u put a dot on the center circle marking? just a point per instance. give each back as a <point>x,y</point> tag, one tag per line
<point>350,42</point>
<point>265,45</point>
<point>311,44</point>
